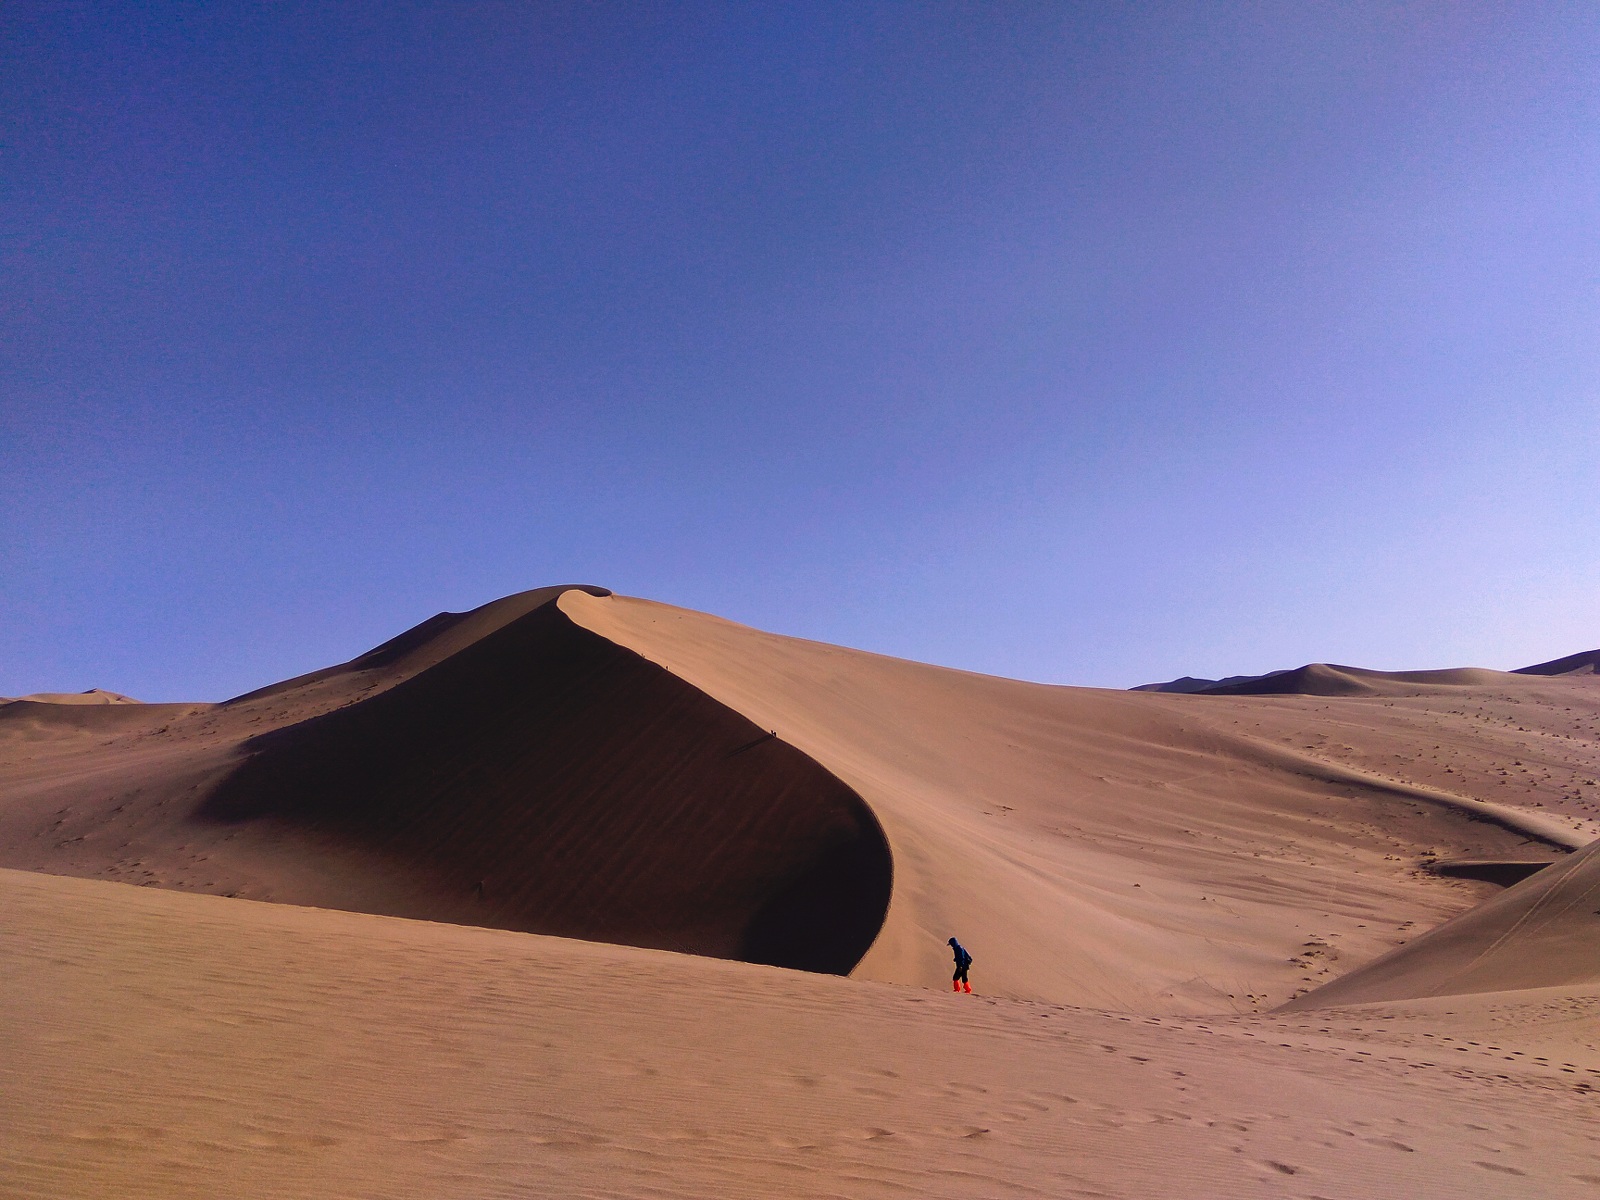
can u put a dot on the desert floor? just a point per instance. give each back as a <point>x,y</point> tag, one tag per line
<point>167,1045</point>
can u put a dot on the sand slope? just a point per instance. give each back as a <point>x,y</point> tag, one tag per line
<point>170,1046</point>
<point>1544,932</point>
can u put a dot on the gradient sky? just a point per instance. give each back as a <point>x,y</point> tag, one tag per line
<point>1092,344</point>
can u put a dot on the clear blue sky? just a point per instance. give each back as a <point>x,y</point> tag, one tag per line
<point>1090,343</point>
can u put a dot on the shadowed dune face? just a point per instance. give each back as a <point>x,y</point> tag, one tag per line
<point>544,779</point>
<point>1505,872</point>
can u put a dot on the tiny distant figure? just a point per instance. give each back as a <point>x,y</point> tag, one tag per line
<point>958,981</point>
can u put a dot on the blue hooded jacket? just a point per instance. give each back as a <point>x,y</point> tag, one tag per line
<point>963,959</point>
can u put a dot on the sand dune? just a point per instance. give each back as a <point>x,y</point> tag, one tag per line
<point>1540,933</point>
<point>499,768</point>
<point>542,778</point>
<point>1324,679</point>
<point>92,696</point>
<point>1586,663</point>
<point>1029,814</point>
<point>1189,684</point>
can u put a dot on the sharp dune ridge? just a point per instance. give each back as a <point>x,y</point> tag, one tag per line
<point>596,767</point>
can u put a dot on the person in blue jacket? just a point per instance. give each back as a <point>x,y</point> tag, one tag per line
<point>963,961</point>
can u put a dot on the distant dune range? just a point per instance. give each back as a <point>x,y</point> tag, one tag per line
<point>567,761</point>
<point>92,696</point>
<point>1325,679</point>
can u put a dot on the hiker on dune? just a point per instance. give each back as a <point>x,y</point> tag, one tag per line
<point>958,981</point>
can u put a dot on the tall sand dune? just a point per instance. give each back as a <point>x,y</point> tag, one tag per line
<point>501,767</point>
<point>542,778</point>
